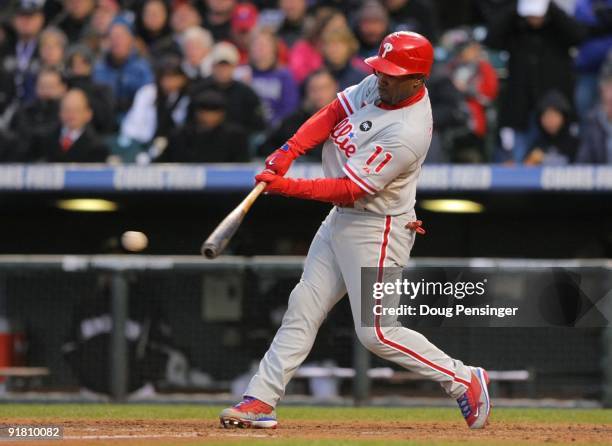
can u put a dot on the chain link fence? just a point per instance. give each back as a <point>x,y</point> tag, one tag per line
<point>119,325</point>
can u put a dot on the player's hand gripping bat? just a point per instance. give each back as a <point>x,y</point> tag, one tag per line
<point>220,237</point>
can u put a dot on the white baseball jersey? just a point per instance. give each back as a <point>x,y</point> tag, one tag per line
<point>381,150</point>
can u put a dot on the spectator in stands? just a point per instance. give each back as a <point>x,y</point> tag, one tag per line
<point>476,81</point>
<point>184,17</point>
<point>243,106</point>
<point>555,144</point>
<point>244,22</point>
<point>53,44</point>
<point>122,68</point>
<point>320,89</point>
<point>305,56</point>
<point>538,36</point>
<point>413,15</point>
<point>73,141</point>
<point>372,26</point>
<point>339,48</point>
<point>596,134</point>
<point>75,18</point>
<point>197,46</point>
<point>209,137</point>
<point>292,27</point>
<point>274,86</point>
<point>153,23</point>
<point>451,116</point>
<point>101,21</point>
<point>160,107</point>
<point>21,52</point>
<point>41,114</point>
<point>79,67</point>
<point>217,17</point>
<point>596,15</point>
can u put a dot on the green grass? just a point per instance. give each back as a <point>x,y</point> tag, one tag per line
<point>193,411</point>
<point>75,412</point>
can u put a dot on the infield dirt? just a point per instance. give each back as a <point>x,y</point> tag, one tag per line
<point>297,432</point>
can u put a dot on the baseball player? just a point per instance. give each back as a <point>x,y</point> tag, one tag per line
<point>376,135</point>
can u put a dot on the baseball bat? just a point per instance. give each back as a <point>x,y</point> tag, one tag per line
<point>220,237</point>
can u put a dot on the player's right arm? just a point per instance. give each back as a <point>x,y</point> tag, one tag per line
<point>317,128</point>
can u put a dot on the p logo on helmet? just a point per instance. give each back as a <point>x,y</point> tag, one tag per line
<point>403,53</point>
<point>387,47</point>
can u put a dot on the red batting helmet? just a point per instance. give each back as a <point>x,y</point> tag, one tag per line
<point>403,53</point>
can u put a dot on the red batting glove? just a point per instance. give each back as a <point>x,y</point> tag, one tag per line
<point>276,183</point>
<point>416,226</point>
<point>280,160</point>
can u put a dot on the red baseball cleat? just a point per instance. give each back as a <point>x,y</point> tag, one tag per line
<point>475,403</point>
<point>250,412</point>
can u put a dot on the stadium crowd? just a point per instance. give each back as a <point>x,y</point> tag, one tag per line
<point>515,82</point>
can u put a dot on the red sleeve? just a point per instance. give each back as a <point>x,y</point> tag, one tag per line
<point>317,128</point>
<point>330,190</point>
<point>488,81</point>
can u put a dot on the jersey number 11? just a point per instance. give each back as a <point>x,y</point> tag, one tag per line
<point>377,152</point>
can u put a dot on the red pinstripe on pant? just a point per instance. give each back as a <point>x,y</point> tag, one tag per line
<point>379,333</point>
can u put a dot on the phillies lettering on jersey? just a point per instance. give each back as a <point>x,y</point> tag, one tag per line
<point>341,135</point>
<point>380,149</point>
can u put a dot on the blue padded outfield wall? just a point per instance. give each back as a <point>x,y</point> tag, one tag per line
<point>237,177</point>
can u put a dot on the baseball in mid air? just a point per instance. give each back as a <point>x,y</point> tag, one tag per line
<point>134,241</point>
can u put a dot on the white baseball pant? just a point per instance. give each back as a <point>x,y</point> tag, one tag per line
<point>347,240</point>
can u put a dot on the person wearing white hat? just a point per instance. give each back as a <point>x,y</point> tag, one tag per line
<point>243,106</point>
<point>538,36</point>
<point>532,8</point>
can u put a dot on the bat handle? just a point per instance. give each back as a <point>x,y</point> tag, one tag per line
<point>258,189</point>
<point>248,201</point>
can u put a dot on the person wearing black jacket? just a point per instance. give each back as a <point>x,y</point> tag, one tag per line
<point>208,137</point>
<point>41,114</point>
<point>451,116</point>
<point>243,106</point>
<point>74,141</point>
<point>19,48</point>
<point>555,144</point>
<point>153,22</point>
<point>217,17</point>
<point>75,18</point>
<point>414,15</point>
<point>79,65</point>
<point>538,36</point>
<point>292,27</point>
